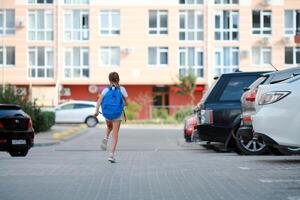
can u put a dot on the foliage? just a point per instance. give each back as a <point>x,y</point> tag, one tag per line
<point>187,85</point>
<point>42,121</point>
<point>160,113</point>
<point>182,114</point>
<point>132,110</point>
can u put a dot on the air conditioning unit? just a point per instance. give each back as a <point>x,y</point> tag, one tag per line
<point>20,91</point>
<point>20,24</point>
<point>266,2</point>
<point>127,50</point>
<point>265,41</point>
<point>244,54</point>
<point>65,92</point>
<point>287,40</point>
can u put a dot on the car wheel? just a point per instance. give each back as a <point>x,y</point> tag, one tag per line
<point>188,139</point>
<point>252,146</point>
<point>91,121</point>
<point>18,153</point>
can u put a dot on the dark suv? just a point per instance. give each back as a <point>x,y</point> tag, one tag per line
<point>220,109</point>
<point>248,143</point>
<point>16,131</point>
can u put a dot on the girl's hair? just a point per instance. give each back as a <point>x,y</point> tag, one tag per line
<point>114,77</point>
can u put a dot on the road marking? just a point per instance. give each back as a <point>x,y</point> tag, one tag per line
<point>279,181</point>
<point>244,168</point>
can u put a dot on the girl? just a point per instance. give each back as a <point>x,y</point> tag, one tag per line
<point>114,124</point>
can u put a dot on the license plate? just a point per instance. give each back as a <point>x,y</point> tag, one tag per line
<point>17,142</point>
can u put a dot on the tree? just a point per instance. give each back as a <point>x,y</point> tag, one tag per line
<point>187,85</point>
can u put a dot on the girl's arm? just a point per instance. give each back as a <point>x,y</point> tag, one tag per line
<point>98,105</point>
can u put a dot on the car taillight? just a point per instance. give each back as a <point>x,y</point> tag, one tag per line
<point>30,123</point>
<point>272,97</point>
<point>247,119</point>
<point>1,126</point>
<point>251,96</point>
<point>206,117</point>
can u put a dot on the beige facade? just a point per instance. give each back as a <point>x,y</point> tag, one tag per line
<point>134,40</point>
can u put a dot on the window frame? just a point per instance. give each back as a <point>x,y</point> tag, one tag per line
<point>158,29</point>
<point>72,31</point>
<point>36,67</point>
<point>109,49</point>
<point>195,67</point>
<point>75,3</point>
<point>294,18</point>
<point>262,27</point>
<point>195,2</point>
<point>110,29</point>
<point>36,30</point>
<point>81,66</point>
<point>3,49</point>
<point>295,50</point>
<point>222,67</point>
<point>231,29</point>
<point>187,30</point>
<point>4,29</point>
<point>159,51</point>
<point>224,3</point>
<point>36,2</point>
<point>262,50</point>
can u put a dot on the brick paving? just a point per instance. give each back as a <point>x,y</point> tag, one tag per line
<point>152,164</point>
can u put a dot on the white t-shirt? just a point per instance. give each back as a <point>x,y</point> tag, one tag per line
<point>122,89</point>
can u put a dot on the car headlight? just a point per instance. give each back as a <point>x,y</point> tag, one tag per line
<point>272,97</point>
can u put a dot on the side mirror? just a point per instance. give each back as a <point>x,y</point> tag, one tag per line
<point>246,89</point>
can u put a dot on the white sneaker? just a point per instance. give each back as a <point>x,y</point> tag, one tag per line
<point>104,144</point>
<point>111,158</point>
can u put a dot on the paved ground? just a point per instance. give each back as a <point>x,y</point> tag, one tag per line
<point>152,164</point>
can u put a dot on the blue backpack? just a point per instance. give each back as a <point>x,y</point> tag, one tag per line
<point>112,104</point>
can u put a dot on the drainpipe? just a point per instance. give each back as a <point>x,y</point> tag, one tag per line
<point>58,53</point>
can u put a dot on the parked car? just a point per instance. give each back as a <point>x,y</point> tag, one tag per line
<point>189,126</point>
<point>247,143</point>
<point>78,112</point>
<point>277,117</point>
<point>16,131</point>
<point>220,109</point>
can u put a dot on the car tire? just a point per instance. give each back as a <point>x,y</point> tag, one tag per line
<point>250,147</point>
<point>188,139</point>
<point>289,150</point>
<point>18,153</point>
<point>91,121</point>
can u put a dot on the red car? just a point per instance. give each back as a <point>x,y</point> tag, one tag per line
<point>189,126</point>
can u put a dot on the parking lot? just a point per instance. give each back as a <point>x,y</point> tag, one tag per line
<point>151,164</point>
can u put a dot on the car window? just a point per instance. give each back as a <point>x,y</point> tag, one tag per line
<point>81,106</point>
<point>258,82</point>
<point>67,107</point>
<point>234,88</point>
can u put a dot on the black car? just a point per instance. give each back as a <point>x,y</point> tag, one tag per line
<point>220,109</point>
<point>246,141</point>
<point>16,131</point>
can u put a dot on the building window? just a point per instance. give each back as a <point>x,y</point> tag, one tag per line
<point>110,56</point>
<point>191,59</point>
<point>227,25</point>
<point>40,62</point>
<point>40,1</point>
<point>7,56</point>
<point>158,56</point>
<point>261,55</point>
<point>158,22</point>
<point>109,22</point>
<point>290,22</point>
<point>190,1</point>
<point>76,63</point>
<point>292,56</point>
<point>76,25</point>
<point>226,60</point>
<point>226,2</point>
<point>7,22</point>
<point>40,25</point>
<point>191,25</point>
<point>77,1</point>
<point>261,22</point>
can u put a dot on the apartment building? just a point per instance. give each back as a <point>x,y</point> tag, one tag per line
<point>56,50</point>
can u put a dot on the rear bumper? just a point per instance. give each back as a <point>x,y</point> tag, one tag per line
<point>213,133</point>
<point>6,138</point>
<point>267,139</point>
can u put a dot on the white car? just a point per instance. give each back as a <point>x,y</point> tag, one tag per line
<point>277,117</point>
<point>78,112</point>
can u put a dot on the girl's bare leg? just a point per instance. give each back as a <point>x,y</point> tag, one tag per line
<point>115,135</point>
<point>109,128</point>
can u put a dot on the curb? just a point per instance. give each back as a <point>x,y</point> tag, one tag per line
<point>64,136</point>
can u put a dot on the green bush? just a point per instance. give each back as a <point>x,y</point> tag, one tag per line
<point>41,121</point>
<point>160,113</point>
<point>183,113</point>
<point>132,110</point>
